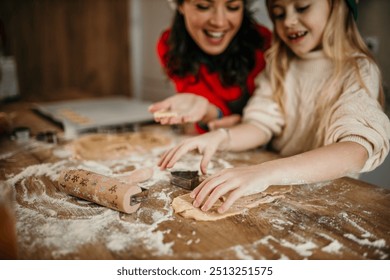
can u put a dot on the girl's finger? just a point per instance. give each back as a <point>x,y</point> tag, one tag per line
<point>195,191</point>
<point>217,193</point>
<point>233,196</point>
<point>207,188</point>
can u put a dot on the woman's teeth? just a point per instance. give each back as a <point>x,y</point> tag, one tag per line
<point>216,35</point>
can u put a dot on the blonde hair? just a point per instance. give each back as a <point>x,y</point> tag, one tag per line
<point>341,42</point>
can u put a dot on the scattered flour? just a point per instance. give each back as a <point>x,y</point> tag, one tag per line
<point>52,170</point>
<point>303,249</point>
<point>61,152</point>
<point>86,229</point>
<point>125,235</point>
<point>380,243</point>
<point>38,209</point>
<point>242,253</point>
<point>280,224</point>
<point>333,248</point>
<point>365,233</point>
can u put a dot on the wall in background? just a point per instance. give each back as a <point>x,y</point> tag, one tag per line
<point>72,47</point>
<point>148,20</point>
<point>373,22</point>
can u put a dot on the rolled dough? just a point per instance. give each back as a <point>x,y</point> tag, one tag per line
<point>115,146</point>
<point>182,205</point>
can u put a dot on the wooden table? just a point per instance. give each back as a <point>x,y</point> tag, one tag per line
<point>341,219</point>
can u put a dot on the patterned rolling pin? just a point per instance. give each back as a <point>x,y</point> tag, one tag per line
<point>121,194</point>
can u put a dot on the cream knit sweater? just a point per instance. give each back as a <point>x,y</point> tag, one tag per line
<point>356,116</point>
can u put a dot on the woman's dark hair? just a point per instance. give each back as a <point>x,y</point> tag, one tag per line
<point>233,65</point>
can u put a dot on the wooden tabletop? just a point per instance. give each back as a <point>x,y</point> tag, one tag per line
<point>340,219</point>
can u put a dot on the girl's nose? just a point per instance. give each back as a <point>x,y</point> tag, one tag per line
<point>218,17</point>
<point>291,19</point>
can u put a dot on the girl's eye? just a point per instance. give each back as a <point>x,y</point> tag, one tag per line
<point>302,9</point>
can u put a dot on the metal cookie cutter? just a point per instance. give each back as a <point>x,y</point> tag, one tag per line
<point>188,180</point>
<point>139,197</point>
<point>47,136</point>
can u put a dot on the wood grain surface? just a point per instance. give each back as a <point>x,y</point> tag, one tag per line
<point>340,219</point>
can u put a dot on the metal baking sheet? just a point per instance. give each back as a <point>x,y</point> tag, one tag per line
<point>89,115</point>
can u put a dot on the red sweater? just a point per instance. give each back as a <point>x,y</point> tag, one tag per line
<point>209,84</point>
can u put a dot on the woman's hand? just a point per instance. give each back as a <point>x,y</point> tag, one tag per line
<point>188,107</point>
<point>206,144</point>
<point>234,182</point>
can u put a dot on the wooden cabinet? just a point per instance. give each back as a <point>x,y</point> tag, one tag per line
<point>69,48</point>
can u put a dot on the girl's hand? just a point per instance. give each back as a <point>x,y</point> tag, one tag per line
<point>206,144</point>
<point>234,182</point>
<point>188,107</point>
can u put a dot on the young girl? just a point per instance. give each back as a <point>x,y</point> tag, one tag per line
<point>212,53</point>
<point>317,103</point>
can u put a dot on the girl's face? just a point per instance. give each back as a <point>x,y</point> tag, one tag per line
<point>300,23</point>
<point>212,24</point>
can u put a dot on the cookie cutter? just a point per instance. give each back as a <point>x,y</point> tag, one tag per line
<point>188,180</point>
<point>47,136</point>
<point>139,197</point>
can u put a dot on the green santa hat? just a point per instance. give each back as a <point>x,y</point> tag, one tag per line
<point>352,5</point>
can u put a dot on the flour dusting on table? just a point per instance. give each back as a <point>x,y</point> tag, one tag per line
<point>58,225</point>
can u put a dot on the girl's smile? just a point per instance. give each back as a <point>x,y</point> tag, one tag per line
<point>297,36</point>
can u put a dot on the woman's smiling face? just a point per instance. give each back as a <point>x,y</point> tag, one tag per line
<point>212,24</point>
<point>301,23</point>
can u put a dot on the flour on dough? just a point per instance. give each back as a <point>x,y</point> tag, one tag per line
<point>115,146</point>
<point>182,205</point>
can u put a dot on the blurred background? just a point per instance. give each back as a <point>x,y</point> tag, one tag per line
<point>68,49</point>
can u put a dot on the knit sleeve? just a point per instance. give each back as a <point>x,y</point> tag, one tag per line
<point>358,117</point>
<point>262,111</point>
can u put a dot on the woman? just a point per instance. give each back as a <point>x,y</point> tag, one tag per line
<point>212,53</point>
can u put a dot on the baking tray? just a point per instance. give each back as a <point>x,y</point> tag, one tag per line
<point>94,115</point>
